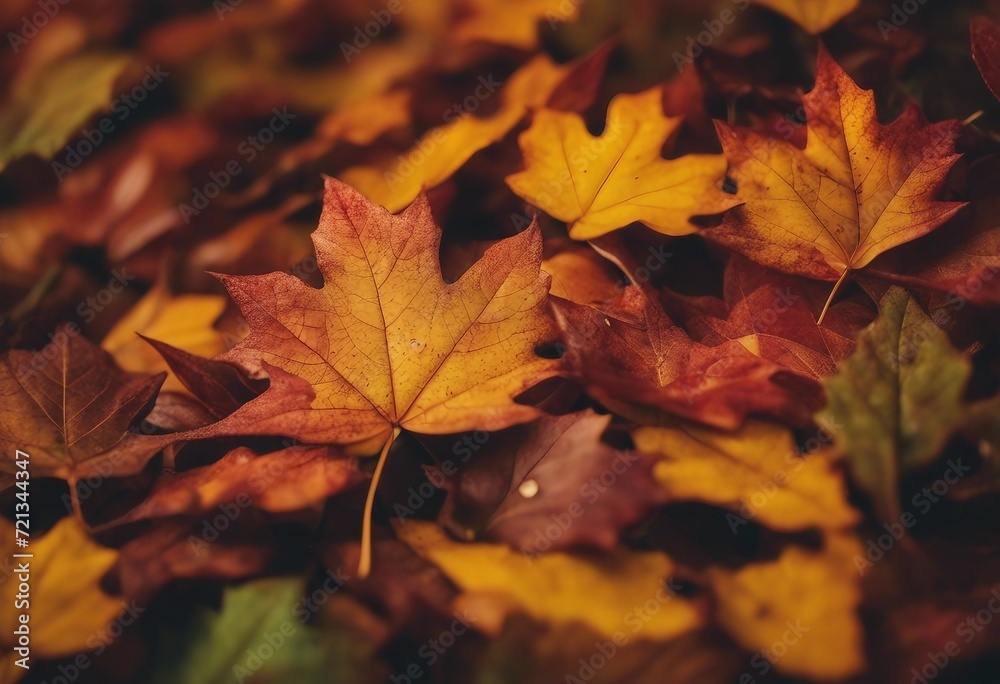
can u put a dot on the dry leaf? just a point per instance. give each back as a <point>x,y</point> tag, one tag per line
<point>597,185</point>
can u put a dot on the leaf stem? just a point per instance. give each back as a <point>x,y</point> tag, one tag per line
<point>74,497</point>
<point>365,564</point>
<point>833,293</point>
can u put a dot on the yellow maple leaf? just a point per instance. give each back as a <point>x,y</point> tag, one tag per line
<point>798,612</point>
<point>857,190</point>
<point>600,184</point>
<point>755,472</point>
<point>815,16</point>
<point>496,580</point>
<point>444,149</point>
<point>68,609</point>
<point>183,321</point>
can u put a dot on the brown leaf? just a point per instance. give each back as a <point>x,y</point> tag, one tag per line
<point>549,485</point>
<point>288,480</point>
<point>632,355</point>
<point>70,407</point>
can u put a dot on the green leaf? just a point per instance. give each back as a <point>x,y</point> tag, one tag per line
<point>49,107</point>
<point>262,634</point>
<point>897,400</point>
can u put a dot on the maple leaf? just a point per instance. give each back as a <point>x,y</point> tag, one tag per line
<point>71,408</point>
<point>631,355</point>
<point>68,605</point>
<point>961,259</point>
<point>598,185</point>
<point>898,398</point>
<point>773,316</point>
<point>386,344</point>
<point>756,472</point>
<point>221,387</point>
<point>550,469</point>
<point>184,321</point>
<point>443,150</point>
<point>759,603</point>
<point>815,16</point>
<point>858,189</point>
<point>549,587</point>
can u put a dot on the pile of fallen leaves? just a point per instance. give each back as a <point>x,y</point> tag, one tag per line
<point>500,342</point>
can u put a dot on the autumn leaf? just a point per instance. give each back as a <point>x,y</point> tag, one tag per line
<point>443,150</point>
<point>757,473</point>
<point>71,409</point>
<point>46,107</point>
<point>600,184</point>
<point>858,189</point>
<point>986,51</point>
<point>962,259</point>
<point>815,16</point>
<point>189,548</point>
<point>897,399</point>
<point>221,387</point>
<point>497,580</point>
<point>773,316</point>
<point>981,425</point>
<point>69,611</point>
<point>580,274</point>
<point>386,344</point>
<point>632,357</point>
<point>216,645</point>
<point>511,22</point>
<point>776,602</point>
<point>184,321</point>
<point>553,470</point>
<point>287,480</point>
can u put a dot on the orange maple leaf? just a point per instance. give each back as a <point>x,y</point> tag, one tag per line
<point>386,344</point>
<point>857,190</point>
